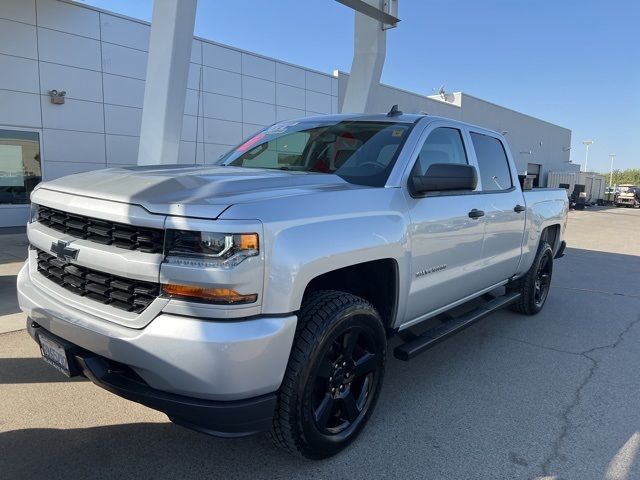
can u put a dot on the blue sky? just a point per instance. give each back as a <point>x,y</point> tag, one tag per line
<point>570,62</point>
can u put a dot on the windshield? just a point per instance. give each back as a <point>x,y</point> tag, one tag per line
<point>359,152</point>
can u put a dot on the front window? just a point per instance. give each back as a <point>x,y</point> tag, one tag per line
<point>443,145</point>
<point>360,152</point>
<point>19,165</point>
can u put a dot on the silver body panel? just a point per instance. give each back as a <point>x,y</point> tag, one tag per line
<point>309,224</point>
<point>217,360</point>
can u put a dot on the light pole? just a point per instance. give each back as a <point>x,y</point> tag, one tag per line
<point>587,144</point>
<point>612,156</point>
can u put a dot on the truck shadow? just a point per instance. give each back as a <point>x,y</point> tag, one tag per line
<point>30,370</point>
<point>8,298</point>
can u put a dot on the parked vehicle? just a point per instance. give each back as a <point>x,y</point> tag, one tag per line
<point>628,196</point>
<point>260,293</point>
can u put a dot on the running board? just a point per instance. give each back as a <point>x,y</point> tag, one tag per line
<point>432,337</point>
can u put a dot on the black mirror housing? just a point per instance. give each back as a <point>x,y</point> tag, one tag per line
<point>445,177</point>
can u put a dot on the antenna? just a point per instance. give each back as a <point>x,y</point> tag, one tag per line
<point>394,112</point>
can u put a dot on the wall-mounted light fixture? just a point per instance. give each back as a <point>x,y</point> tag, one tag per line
<point>57,97</point>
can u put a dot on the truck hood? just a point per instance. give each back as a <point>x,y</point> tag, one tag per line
<point>193,191</point>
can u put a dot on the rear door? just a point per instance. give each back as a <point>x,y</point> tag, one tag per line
<point>502,203</point>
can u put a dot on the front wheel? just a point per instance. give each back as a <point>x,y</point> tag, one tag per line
<point>535,285</point>
<point>334,375</point>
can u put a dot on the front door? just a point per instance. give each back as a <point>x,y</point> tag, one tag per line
<point>446,243</point>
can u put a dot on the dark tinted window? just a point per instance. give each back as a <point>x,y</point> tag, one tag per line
<point>492,161</point>
<point>360,152</point>
<point>443,145</point>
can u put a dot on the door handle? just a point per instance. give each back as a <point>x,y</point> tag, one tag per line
<point>475,213</point>
<point>519,208</point>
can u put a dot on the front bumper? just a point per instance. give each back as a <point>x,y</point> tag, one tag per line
<point>222,418</point>
<point>201,359</point>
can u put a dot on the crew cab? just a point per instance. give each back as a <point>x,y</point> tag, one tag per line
<point>259,293</point>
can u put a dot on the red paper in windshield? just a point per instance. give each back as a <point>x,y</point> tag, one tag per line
<point>250,143</point>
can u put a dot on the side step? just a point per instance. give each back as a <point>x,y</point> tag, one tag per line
<point>432,337</point>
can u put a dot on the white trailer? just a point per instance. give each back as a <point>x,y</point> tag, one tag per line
<point>594,183</point>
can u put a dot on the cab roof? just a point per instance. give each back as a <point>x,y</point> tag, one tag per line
<point>368,117</point>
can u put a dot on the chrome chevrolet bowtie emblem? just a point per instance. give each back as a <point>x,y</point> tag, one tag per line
<point>63,251</point>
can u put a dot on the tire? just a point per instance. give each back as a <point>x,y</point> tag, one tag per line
<point>535,285</point>
<point>328,394</point>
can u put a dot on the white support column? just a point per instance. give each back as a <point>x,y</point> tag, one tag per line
<point>370,50</point>
<point>166,85</point>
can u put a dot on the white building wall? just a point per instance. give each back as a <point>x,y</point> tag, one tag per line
<point>100,58</point>
<point>531,140</point>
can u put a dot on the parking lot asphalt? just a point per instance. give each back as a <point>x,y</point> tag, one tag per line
<point>553,396</point>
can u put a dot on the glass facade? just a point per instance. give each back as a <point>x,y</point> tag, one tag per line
<point>20,168</point>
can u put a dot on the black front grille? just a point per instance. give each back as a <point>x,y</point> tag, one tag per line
<point>130,237</point>
<point>119,292</point>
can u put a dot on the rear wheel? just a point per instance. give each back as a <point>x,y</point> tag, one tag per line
<point>535,285</point>
<point>334,375</point>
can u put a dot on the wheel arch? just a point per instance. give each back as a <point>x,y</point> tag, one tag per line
<point>377,281</point>
<point>551,235</point>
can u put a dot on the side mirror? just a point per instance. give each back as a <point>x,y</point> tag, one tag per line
<point>445,176</point>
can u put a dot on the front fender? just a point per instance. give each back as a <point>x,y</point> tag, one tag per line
<point>302,252</point>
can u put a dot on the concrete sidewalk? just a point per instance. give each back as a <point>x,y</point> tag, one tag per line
<point>13,252</point>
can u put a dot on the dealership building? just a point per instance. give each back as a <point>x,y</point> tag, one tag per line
<point>98,59</point>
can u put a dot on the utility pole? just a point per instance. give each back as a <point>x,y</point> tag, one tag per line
<point>587,144</point>
<point>612,156</point>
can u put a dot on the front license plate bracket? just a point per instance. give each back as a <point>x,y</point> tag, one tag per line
<point>58,353</point>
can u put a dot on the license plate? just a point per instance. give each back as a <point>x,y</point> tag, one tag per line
<point>54,354</point>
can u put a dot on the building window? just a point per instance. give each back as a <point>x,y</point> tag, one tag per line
<point>20,169</point>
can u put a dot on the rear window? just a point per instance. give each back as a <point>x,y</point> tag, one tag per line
<point>492,162</point>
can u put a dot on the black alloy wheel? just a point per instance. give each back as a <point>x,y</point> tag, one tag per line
<point>542,281</point>
<point>333,377</point>
<point>345,379</point>
<point>535,284</point>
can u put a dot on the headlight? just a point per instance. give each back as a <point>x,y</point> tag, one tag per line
<point>35,209</point>
<point>209,249</point>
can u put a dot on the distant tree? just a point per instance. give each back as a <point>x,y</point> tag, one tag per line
<point>630,175</point>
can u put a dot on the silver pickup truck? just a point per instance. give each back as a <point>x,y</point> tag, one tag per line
<point>260,293</point>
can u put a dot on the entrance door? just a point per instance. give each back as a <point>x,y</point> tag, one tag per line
<point>534,169</point>
<point>20,172</point>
